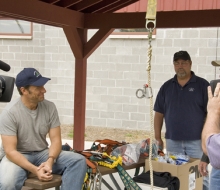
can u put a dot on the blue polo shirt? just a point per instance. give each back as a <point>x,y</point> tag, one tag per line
<point>184,108</point>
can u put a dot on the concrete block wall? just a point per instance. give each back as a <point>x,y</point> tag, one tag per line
<point>59,66</point>
<point>115,70</point>
<point>118,68</point>
<point>20,53</point>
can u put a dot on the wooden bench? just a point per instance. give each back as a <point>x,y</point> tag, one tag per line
<point>33,183</point>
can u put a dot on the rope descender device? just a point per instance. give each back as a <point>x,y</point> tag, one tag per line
<point>146,92</point>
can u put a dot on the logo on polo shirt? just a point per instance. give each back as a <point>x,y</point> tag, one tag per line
<point>36,74</point>
<point>191,89</point>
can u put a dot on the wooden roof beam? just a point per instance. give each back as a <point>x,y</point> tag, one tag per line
<point>96,40</point>
<point>83,49</point>
<point>114,7</point>
<point>165,19</point>
<point>67,3</point>
<point>29,11</point>
<point>84,4</point>
<point>50,1</point>
<point>98,6</point>
<point>74,39</point>
<point>124,20</point>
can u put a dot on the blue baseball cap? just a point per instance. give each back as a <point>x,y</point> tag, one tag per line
<point>30,76</point>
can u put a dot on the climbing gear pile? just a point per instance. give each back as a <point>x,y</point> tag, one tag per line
<point>106,145</point>
<point>101,153</point>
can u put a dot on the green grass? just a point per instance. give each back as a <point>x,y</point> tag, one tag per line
<point>71,133</point>
<point>128,135</point>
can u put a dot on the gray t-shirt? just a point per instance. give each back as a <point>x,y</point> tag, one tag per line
<point>30,126</point>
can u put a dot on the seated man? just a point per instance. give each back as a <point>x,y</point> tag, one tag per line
<point>24,125</point>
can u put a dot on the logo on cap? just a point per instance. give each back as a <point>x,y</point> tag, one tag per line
<point>36,73</point>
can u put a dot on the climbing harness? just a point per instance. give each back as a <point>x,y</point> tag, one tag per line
<point>112,161</point>
<point>93,182</point>
<point>106,160</point>
<point>105,145</point>
<point>93,178</point>
<point>146,92</point>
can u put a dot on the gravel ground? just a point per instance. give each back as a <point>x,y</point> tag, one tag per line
<point>94,133</point>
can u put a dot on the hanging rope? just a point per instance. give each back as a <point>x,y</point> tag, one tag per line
<point>147,90</point>
<point>151,107</point>
<point>151,19</point>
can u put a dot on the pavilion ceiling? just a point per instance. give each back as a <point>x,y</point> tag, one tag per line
<point>91,6</point>
<point>96,14</point>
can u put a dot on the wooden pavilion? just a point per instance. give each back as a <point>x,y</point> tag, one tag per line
<point>76,17</point>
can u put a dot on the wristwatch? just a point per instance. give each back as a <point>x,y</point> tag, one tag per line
<point>54,159</point>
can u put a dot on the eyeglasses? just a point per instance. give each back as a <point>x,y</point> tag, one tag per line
<point>178,63</point>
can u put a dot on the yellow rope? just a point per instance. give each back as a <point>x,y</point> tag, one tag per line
<point>86,177</point>
<point>117,160</point>
<point>85,180</point>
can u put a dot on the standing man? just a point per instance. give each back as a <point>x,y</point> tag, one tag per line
<point>24,125</point>
<point>181,102</point>
<point>211,136</point>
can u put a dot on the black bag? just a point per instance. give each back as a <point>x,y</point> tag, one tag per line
<point>161,179</point>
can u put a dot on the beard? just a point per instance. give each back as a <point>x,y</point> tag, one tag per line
<point>181,73</point>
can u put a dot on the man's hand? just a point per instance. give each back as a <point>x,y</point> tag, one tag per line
<point>160,144</point>
<point>43,174</point>
<point>158,123</point>
<point>203,168</point>
<point>44,171</point>
<point>46,165</point>
<point>214,100</point>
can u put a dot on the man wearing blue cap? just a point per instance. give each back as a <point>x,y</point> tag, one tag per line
<point>24,125</point>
